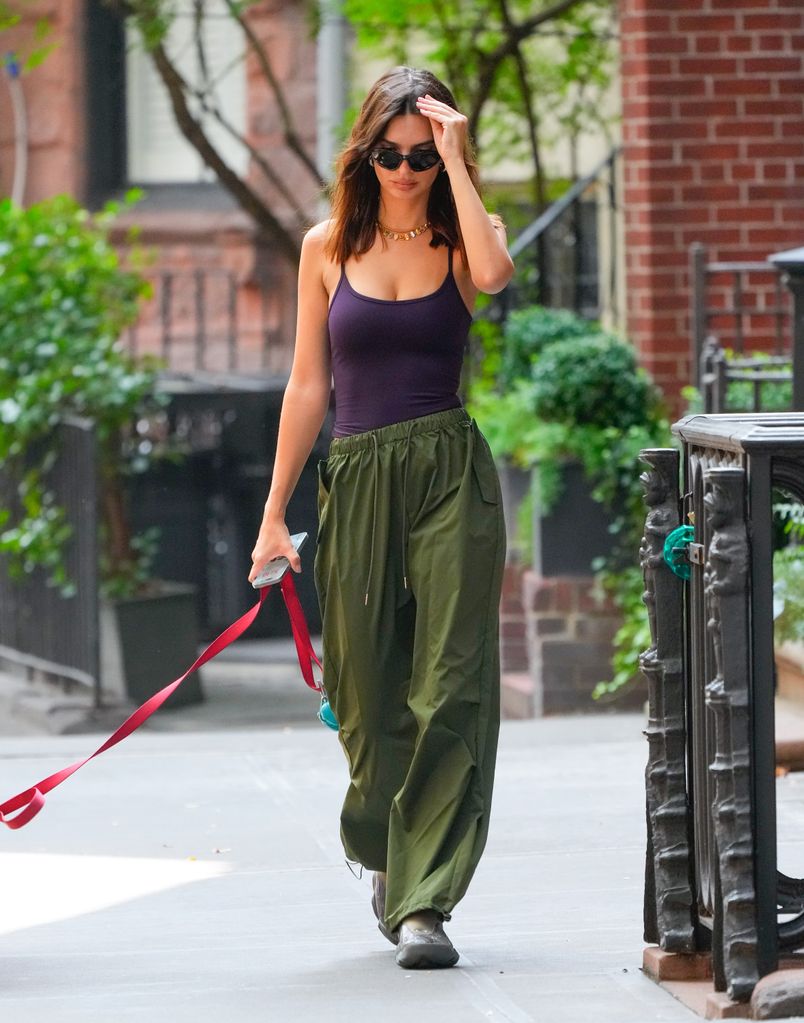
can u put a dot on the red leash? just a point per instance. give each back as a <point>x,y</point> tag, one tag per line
<point>31,801</point>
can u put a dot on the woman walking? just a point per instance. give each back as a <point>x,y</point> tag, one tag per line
<point>411,542</point>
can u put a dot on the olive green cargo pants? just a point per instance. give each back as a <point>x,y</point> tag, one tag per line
<point>408,567</point>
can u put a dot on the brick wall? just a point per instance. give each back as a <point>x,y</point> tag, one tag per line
<point>570,629</point>
<point>54,95</point>
<point>713,139</point>
<point>185,236</point>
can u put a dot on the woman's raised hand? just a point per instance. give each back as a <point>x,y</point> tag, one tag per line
<point>273,541</point>
<point>449,127</point>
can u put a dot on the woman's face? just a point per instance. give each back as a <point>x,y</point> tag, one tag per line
<point>405,134</point>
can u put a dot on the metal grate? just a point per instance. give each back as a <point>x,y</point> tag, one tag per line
<point>204,319</point>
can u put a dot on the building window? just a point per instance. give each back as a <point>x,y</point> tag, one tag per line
<point>157,152</point>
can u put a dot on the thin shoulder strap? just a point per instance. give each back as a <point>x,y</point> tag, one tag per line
<point>338,287</point>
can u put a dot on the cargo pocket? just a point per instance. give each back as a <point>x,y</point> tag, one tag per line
<point>488,482</point>
<point>323,497</point>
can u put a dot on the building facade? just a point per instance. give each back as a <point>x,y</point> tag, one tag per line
<point>713,152</point>
<point>97,122</point>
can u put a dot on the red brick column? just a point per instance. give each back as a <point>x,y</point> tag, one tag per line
<point>713,145</point>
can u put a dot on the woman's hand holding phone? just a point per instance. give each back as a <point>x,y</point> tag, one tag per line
<point>273,542</point>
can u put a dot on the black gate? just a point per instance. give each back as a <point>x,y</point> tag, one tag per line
<point>50,636</point>
<point>711,872</point>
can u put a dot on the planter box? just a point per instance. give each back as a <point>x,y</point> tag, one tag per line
<point>575,530</point>
<point>568,537</point>
<point>148,641</point>
<point>556,640</point>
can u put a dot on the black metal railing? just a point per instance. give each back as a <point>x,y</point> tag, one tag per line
<point>748,333</point>
<point>748,383</point>
<point>711,874</point>
<point>51,637</point>
<point>204,319</point>
<point>558,255</point>
<point>728,298</point>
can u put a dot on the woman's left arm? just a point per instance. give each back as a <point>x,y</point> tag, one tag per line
<point>490,266</point>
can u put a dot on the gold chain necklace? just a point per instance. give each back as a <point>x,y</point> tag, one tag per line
<point>403,235</point>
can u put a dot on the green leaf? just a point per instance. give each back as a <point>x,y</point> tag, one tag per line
<point>66,300</point>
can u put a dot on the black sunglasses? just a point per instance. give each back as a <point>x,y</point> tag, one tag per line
<point>421,160</point>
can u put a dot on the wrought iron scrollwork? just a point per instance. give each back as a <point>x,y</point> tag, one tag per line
<point>669,903</point>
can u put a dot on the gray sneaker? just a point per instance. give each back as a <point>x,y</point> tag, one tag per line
<point>425,948</point>
<point>378,905</point>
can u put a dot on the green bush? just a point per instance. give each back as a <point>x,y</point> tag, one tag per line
<point>565,389</point>
<point>526,333</point>
<point>592,380</point>
<point>65,301</point>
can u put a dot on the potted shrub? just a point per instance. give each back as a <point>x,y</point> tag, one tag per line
<point>573,409</point>
<point>66,300</point>
<point>499,396</point>
<point>576,421</point>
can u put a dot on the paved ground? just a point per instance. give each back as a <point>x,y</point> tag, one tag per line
<point>194,873</point>
<point>251,684</point>
<point>198,876</point>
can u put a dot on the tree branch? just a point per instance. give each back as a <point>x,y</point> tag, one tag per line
<point>268,171</point>
<point>528,27</point>
<point>195,135</point>
<point>292,140</point>
<point>517,33</point>
<point>530,113</point>
<point>209,104</point>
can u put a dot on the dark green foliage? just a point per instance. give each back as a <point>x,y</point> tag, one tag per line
<point>526,333</point>
<point>592,380</point>
<point>576,392</point>
<point>65,301</point>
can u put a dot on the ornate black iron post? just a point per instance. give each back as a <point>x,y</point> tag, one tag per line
<point>668,890</point>
<point>734,947</point>
<point>710,781</point>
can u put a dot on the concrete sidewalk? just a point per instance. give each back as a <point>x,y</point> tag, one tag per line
<point>199,877</point>
<point>251,684</point>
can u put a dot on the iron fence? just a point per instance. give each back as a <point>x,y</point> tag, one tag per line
<point>711,880</point>
<point>204,319</point>
<point>747,334</point>
<point>558,255</point>
<point>52,637</point>
<point>766,381</point>
<point>744,304</point>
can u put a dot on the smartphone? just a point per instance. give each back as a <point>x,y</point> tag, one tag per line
<point>276,568</point>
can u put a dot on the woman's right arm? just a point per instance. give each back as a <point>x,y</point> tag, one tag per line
<point>304,405</point>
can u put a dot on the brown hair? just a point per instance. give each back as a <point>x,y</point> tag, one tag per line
<point>355,192</point>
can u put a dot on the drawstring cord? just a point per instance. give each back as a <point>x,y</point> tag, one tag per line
<point>376,466</point>
<point>376,474</point>
<point>405,507</point>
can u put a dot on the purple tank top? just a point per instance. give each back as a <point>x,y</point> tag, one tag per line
<point>394,360</point>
